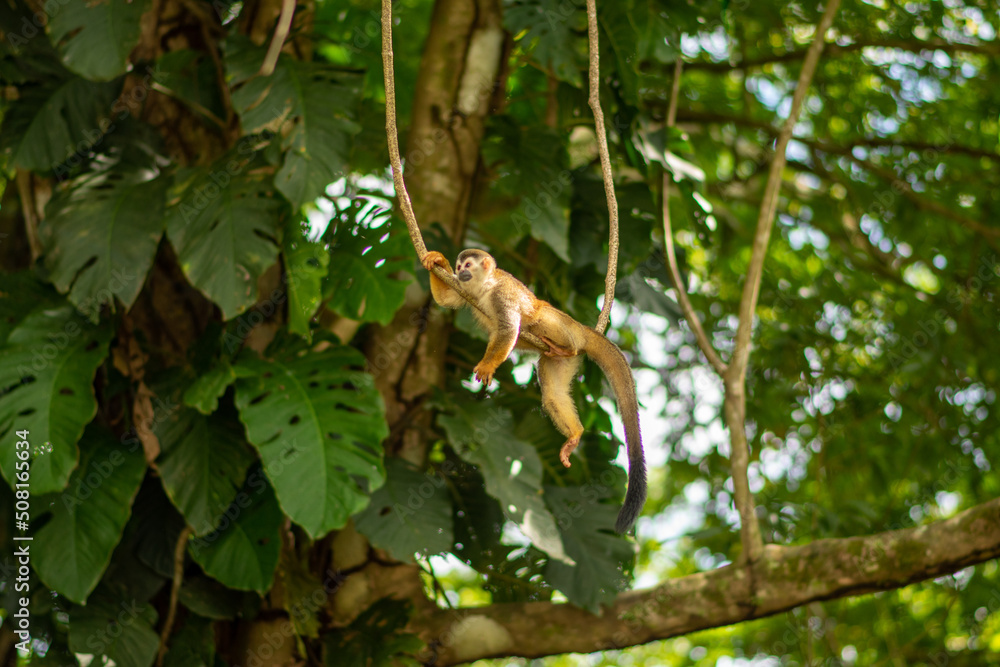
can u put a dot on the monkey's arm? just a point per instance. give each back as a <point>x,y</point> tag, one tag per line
<point>503,337</point>
<point>443,294</point>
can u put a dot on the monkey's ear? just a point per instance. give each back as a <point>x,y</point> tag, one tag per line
<point>487,264</point>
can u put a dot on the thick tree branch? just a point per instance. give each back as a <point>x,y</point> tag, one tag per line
<point>609,183</point>
<point>787,577</point>
<point>668,245</point>
<point>735,377</point>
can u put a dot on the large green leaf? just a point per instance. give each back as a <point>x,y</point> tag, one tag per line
<point>73,548</point>
<point>101,235</point>
<point>193,645</point>
<point>243,551</point>
<point>484,436</point>
<point>46,375</point>
<point>50,122</point>
<point>364,282</point>
<point>546,28</point>
<point>202,481</point>
<point>21,293</point>
<point>599,555</point>
<point>121,629</point>
<point>410,514</point>
<point>319,101</point>
<point>306,265</point>
<point>95,38</point>
<point>204,393</point>
<point>224,221</point>
<point>318,423</point>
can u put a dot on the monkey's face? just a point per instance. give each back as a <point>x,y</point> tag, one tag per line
<point>472,267</point>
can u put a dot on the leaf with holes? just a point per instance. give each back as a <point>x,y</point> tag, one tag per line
<point>224,222</point>
<point>202,481</point>
<point>306,265</point>
<point>96,38</point>
<point>410,514</point>
<point>484,437</point>
<point>243,552</point>
<point>50,122</point>
<point>46,388</point>
<point>101,236</point>
<point>318,102</point>
<point>74,547</point>
<point>318,422</point>
<point>364,282</point>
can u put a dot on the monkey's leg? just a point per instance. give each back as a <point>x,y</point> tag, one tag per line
<point>556,375</point>
<point>555,350</point>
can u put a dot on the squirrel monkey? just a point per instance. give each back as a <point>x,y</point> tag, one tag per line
<point>510,308</point>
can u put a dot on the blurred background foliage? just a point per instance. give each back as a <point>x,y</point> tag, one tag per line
<point>872,381</point>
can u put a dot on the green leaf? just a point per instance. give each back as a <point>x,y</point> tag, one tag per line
<point>20,294</point>
<point>202,481</point>
<point>101,236</point>
<point>363,283</point>
<point>600,556</point>
<point>545,28</point>
<point>306,265</point>
<point>74,547</point>
<point>223,222</point>
<point>46,387</point>
<point>484,437</point>
<point>96,38</point>
<point>193,645</point>
<point>118,628</point>
<point>243,552</point>
<point>50,122</point>
<point>410,514</point>
<point>318,102</point>
<point>318,422</point>
<point>376,637</point>
<point>204,393</point>
<point>190,76</point>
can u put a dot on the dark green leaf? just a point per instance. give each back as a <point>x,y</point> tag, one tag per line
<point>410,514</point>
<point>96,38</point>
<point>318,423</point>
<point>306,265</point>
<point>364,282</point>
<point>46,375</point>
<point>118,628</point>
<point>73,548</point>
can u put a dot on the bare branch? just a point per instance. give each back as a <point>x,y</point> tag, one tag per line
<point>788,577</point>
<point>175,588</point>
<point>735,378</point>
<point>280,35</point>
<point>609,183</point>
<point>668,246</point>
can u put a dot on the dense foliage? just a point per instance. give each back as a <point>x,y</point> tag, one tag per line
<point>198,257</point>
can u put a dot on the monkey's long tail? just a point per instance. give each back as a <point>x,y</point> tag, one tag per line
<point>616,369</point>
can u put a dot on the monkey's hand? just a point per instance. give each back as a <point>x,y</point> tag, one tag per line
<point>484,372</point>
<point>434,258</point>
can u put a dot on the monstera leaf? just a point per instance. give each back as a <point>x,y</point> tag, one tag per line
<point>46,388</point>
<point>50,122</point>
<point>101,236</point>
<point>224,223</point>
<point>317,100</point>
<point>95,38</point>
<point>306,265</point>
<point>364,282</point>
<point>513,472</point>
<point>410,514</point>
<point>75,546</point>
<point>318,423</point>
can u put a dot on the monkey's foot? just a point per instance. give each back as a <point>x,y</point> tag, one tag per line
<point>555,350</point>
<point>567,449</point>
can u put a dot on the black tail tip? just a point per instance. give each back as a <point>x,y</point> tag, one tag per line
<point>630,511</point>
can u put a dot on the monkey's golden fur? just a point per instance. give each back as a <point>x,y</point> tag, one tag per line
<point>510,308</point>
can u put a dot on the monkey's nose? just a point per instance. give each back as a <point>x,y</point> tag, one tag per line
<point>465,276</point>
